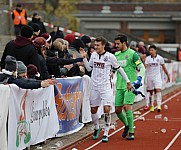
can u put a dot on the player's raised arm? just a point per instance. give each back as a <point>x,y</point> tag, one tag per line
<point>86,63</point>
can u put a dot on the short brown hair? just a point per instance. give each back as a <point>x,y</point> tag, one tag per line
<point>101,39</point>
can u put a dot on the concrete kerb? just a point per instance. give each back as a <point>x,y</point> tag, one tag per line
<point>70,141</point>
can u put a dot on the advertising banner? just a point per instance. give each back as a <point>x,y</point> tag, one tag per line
<point>69,98</point>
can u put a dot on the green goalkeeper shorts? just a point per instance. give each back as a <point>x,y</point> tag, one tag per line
<point>124,97</point>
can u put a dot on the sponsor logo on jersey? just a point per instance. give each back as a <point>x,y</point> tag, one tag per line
<point>126,57</point>
<point>99,65</point>
<point>153,64</point>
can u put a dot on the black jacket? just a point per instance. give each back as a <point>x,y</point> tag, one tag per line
<point>54,63</point>
<point>21,82</point>
<point>23,50</point>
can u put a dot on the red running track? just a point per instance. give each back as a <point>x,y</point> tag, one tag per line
<point>148,134</point>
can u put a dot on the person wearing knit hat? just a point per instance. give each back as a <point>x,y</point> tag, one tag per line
<point>27,31</point>
<point>32,71</point>
<point>9,76</point>
<point>70,38</point>
<point>75,47</point>
<point>48,39</point>
<point>22,69</point>
<point>10,63</point>
<point>87,41</point>
<point>36,30</point>
<point>40,44</point>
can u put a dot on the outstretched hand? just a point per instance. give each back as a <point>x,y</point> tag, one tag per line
<point>82,52</point>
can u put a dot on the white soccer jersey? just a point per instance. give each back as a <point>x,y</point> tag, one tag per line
<point>153,69</point>
<point>101,68</point>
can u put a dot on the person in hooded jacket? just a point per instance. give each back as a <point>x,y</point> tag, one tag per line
<point>22,48</point>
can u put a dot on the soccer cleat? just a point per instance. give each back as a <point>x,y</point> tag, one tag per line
<point>125,132</point>
<point>130,136</point>
<point>105,138</point>
<point>152,108</point>
<point>146,108</point>
<point>159,108</point>
<point>96,134</point>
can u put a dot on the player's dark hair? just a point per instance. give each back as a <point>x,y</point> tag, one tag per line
<point>122,38</point>
<point>152,46</point>
<point>101,39</point>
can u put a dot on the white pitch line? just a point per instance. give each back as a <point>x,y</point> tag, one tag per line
<point>173,140</point>
<point>100,141</point>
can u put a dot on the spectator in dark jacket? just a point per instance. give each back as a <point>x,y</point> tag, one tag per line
<point>37,19</point>
<point>56,33</point>
<point>55,60</point>
<point>9,76</point>
<point>22,48</point>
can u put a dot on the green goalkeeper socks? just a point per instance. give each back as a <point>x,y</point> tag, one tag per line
<point>123,118</point>
<point>129,116</point>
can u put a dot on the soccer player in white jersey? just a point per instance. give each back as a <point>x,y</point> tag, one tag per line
<point>153,65</point>
<point>101,63</point>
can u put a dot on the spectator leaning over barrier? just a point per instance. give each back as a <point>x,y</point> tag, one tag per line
<point>21,70</point>
<point>19,17</point>
<point>40,44</point>
<point>22,48</point>
<point>55,61</point>
<point>9,76</point>
<point>129,61</point>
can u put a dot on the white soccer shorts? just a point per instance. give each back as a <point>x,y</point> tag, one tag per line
<point>154,84</point>
<point>105,97</point>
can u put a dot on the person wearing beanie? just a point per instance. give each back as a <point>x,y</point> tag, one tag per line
<point>22,69</point>
<point>36,30</point>
<point>75,46</point>
<point>87,41</point>
<point>19,17</point>
<point>22,48</point>
<point>40,44</point>
<point>32,71</point>
<point>70,38</point>
<point>11,64</point>
<point>27,31</point>
<point>9,76</point>
<point>48,39</point>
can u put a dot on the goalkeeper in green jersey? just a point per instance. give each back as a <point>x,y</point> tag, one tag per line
<point>129,61</point>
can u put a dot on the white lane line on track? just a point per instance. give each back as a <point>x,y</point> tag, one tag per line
<point>100,141</point>
<point>173,140</point>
